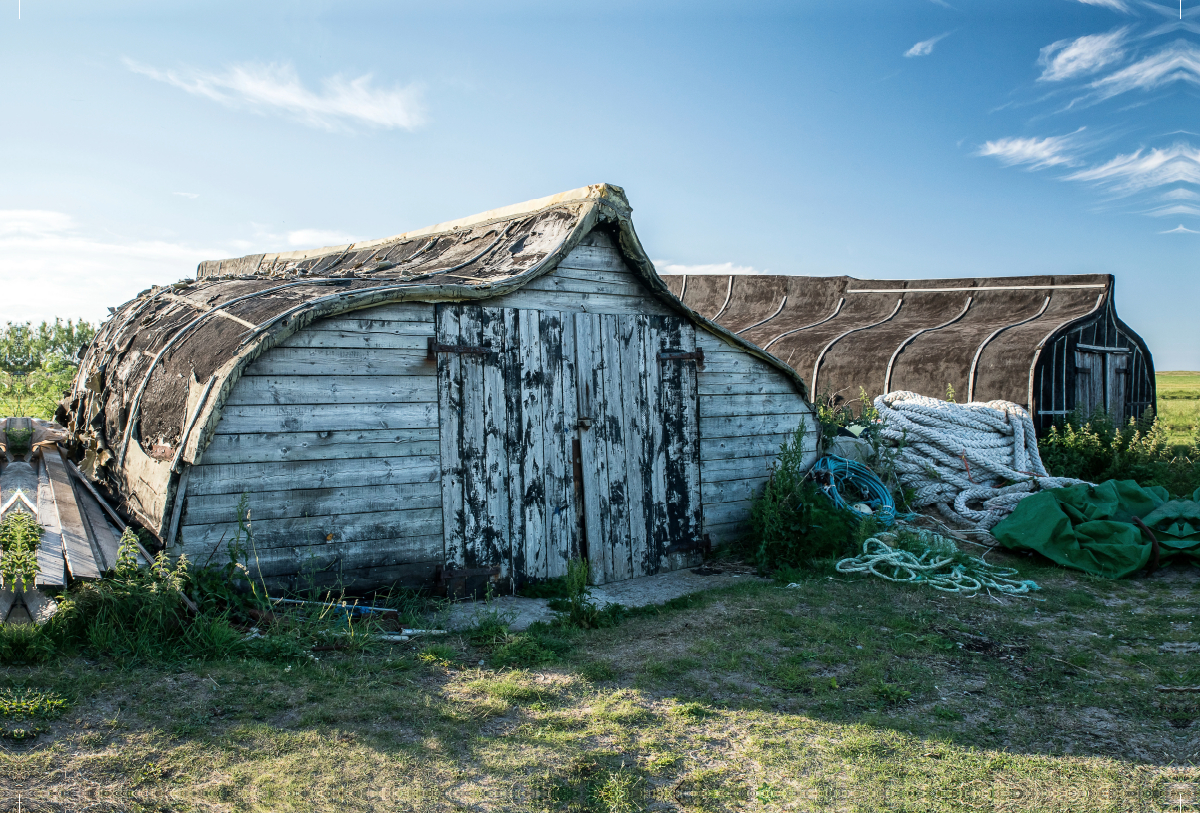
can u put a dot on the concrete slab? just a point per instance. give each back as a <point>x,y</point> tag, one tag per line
<point>520,612</point>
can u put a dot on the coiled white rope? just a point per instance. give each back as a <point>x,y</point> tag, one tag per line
<point>939,565</point>
<point>972,462</point>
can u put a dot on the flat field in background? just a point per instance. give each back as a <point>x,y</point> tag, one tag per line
<point>1179,403</point>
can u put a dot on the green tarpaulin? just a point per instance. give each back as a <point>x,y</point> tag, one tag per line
<point>1092,528</point>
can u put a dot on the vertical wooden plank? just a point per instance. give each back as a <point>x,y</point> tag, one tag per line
<point>614,441</point>
<point>595,475</point>
<point>511,367</point>
<point>657,539</point>
<point>573,515</point>
<point>533,460</point>
<point>633,373</point>
<point>50,552</point>
<point>450,436</point>
<point>690,458</point>
<point>556,445</point>
<point>475,486</point>
<point>496,534</point>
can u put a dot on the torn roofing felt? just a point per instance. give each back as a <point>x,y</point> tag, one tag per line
<point>149,391</point>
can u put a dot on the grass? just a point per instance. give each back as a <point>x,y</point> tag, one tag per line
<point>842,693</point>
<point>1179,404</point>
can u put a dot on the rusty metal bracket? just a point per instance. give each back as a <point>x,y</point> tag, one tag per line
<point>434,348</point>
<point>696,355</point>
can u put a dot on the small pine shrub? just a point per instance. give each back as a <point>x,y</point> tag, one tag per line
<point>793,524</point>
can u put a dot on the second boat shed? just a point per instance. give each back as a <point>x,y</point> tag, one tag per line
<point>480,400</point>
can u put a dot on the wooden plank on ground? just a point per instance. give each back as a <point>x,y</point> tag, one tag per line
<point>51,565</point>
<point>106,538</point>
<point>81,559</point>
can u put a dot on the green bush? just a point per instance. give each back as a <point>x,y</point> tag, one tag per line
<point>37,365</point>
<point>793,524</point>
<point>1092,448</point>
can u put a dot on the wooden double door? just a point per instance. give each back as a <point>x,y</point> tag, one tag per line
<point>566,435</point>
<point>1102,381</point>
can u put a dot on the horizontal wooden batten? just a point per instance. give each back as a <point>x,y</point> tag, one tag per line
<point>416,523</point>
<point>283,446</point>
<point>750,425</point>
<point>326,417</point>
<point>728,491</point>
<point>334,389</point>
<point>340,473</point>
<point>304,502</point>
<point>727,512</point>
<point>756,404</point>
<point>356,361</point>
<point>737,468</point>
<point>394,312</point>
<point>556,283</point>
<point>351,338</point>
<point>579,303</point>
<point>730,448</point>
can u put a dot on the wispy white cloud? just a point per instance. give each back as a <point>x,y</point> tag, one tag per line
<point>54,267</point>
<point>317,238</point>
<point>1036,153</point>
<point>1145,169</point>
<point>668,267</point>
<point>1178,62</point>
<point>1115,5</point>
<point>188,195</point>
<point>1180,230</point>
<point>1069,58</point>
<point>276,88</point>
<point>1178,209</point>
<point>1181,194</point>
<point>925,47</point>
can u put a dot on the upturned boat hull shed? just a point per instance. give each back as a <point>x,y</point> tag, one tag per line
<point>1053,344</point>
<point>480,400</point>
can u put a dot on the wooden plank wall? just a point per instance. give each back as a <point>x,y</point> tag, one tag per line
<point>334,434</point>
<point>748,410</point>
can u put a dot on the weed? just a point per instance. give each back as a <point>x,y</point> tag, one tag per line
<point>891,694</point>
<point>620,792</point>
<point>24,712</point>
<point>20,536</point>
<point>577,609</point>
<point>691,710</point>
<point>598,671</point>
<point>439,654</point>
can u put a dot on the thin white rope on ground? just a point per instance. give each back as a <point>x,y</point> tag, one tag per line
<point>972,462</point>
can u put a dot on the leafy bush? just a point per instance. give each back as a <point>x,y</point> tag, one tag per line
<point>792,522</point>
<point>37,364</point>
<point>835,413</point>
<point>20,536</point>
<point>1092,448</point>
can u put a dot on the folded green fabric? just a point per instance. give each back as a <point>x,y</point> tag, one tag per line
<point>1091,528</point>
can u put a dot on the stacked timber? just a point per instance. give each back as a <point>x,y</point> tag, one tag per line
<point>80,534</point>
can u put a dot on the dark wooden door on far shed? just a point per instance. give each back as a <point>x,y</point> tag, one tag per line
<point>521,392</point>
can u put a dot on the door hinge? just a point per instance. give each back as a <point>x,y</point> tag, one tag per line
<point>433,348</point>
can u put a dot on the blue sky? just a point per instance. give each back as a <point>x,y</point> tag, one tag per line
<point>884,138</point>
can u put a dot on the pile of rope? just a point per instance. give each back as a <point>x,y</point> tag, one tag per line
<point>973,462</point>
<point>939,564</point>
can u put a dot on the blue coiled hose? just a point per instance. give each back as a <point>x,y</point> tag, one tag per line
<point>838,475</point>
